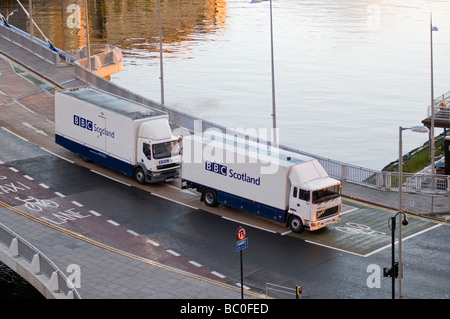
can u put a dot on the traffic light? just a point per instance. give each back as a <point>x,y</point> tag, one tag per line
<point>387,272</point>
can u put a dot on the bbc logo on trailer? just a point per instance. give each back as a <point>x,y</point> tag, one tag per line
<point>82,122</point>
<point>216,168</point>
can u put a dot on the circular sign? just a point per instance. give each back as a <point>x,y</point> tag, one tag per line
<point>241,233</point>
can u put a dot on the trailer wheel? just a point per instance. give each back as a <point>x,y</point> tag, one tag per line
<point>139,175</point>
<point>210,198</point>
<point>296,224</point>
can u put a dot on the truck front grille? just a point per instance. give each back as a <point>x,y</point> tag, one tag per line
<point>166,166</point>
<point>328,212</point>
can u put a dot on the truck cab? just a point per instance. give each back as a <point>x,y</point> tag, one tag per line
<point>158,153</point>
<point>315,198</point>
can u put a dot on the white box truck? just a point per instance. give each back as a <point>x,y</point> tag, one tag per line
<point>118,133</point>
<point>256,178</point>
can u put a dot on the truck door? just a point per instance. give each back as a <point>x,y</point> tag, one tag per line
<point>300,202</point>
<point>145,153</point>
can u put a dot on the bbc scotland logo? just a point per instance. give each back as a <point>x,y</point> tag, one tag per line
<point>82,122</point>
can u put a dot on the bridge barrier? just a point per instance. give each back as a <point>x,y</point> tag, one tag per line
<point>34,266</point>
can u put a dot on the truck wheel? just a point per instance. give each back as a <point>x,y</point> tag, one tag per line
<point>296,224</point>
<point>139,175</point>
<point>210,197</point>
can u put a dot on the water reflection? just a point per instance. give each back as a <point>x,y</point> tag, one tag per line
<point>132,25</point>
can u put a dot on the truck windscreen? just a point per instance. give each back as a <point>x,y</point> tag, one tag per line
<point>165,150</point>
<point>326,194</point>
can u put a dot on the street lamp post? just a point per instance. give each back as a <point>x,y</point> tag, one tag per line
<point>274,117</point>
<point>432,150</point>
<point>418,129</point>
<point>161,54</point>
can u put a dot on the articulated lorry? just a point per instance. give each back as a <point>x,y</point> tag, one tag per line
<point>256,178</point>
<point>118,133</point>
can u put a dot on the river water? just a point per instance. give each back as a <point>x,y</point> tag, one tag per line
<point>348,73</point>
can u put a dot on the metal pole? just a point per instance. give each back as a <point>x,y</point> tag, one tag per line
<point>432,101</point>
<point>274,118</point>
<point>242,277</point>
<point>400,174</point>
<point>161,53</point>
<point>393,256</point>
<point>87,36</point>
<point>30,8</point>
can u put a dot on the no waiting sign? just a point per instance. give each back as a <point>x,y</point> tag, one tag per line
<point>241,233</point>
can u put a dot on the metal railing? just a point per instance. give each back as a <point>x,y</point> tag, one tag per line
<point>441,107</point>
<point>39,264</point>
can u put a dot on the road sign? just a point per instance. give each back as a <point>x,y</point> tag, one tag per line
<point>241,244</point>
<point>241,233</point>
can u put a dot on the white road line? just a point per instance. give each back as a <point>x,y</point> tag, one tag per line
<point>113,222</point>
<point>23,138</point>
<point>132,232</point>
<point>104,175</point>
<point>405,238</point>
<point>349,211</point>
<point>14,169</point>
<point>334,248</point>
<point>218,274</point>
<point>93,212</point>
<point>43,185</point>
<point>154,243</point>
<point>68,160</point>
<point>173,252</point>
<point>175,201</point>
<point>245,287</point>
<point>60,195</point>
<point>239,222</point>
<point>196,264</point>
<point>77,204</point>
<point>28,177</point>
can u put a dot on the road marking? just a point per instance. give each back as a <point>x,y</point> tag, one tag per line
<point>9,131</point>
<point>44,186</point>
<point>396,242</point>
<point>35,129</point>
<point>60,195</point>
<point>68,160</point>
<point>154,243</point>
<point>175,201</point>
<point>28,177</point>
<point>195,263</point>
<point>334,248</point>
<point>218,274</point>
<point>173,252</point>
<point>113,222</point>
<point>111,178</point>
<point>93,212</point>
<point>14,170</point>
<point>240,222</point>
<point>77,204</point>
<point>132,232</point>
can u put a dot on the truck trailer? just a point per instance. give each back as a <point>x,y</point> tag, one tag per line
<point>123,135</point>
<point>264,180</point>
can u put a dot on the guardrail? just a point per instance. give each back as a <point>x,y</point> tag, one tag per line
<point>38,264</point>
